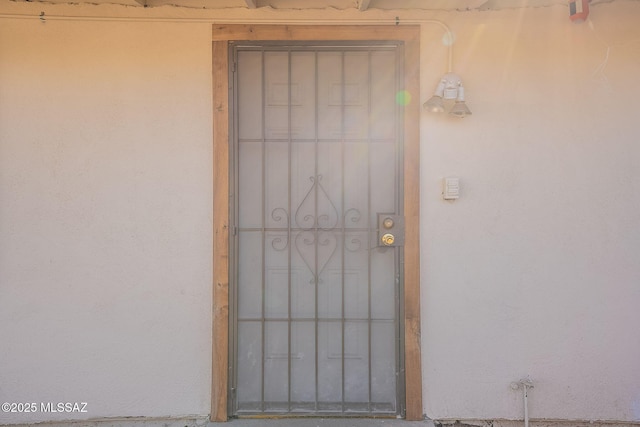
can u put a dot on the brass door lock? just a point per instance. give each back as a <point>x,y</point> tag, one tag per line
<point>390,230</point>
<point>388,239</point>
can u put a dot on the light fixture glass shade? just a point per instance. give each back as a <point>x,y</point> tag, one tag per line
<point>434,104</point>
<point>460,109</point>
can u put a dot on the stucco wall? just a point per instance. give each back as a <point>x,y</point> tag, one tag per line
<point>105,201</point>
<point>105,224</point>
<point>535,269</point>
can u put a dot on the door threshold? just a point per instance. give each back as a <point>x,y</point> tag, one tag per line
<point>301,421</point>
<point>328,415</point>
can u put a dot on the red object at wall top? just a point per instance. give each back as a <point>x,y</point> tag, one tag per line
<point>578,10</point>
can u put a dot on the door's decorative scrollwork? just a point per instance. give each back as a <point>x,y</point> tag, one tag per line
<point>353,242</point>
<point>280,215</point>
<point>317,234</point>
<point>323,245</point>
<point>352,215</point>
<point>306,215</point>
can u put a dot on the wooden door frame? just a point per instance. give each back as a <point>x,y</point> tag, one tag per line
<point>222,35</point>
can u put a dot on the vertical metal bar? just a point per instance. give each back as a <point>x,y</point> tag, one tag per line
<point>236,238</point>
<point>289,325</point>
<point>315,56</point>
<point>263,258</point>
<point>399,252</point>
<point>316,146</point>
<point>369,324</point>
<point>342,254</point>
<point>234,163</point>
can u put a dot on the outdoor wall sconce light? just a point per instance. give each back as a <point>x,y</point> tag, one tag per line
<point>449,88</point>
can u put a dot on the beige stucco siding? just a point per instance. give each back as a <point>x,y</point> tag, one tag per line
<point>105,171</point>
<point>106,196</point>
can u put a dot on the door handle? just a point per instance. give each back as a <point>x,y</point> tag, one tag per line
<point>388,239</point>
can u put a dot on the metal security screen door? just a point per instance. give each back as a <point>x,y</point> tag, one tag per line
<point>315,293</point>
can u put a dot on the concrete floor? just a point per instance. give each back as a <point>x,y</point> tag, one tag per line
<point>302,422</point>
<point>245,422</point>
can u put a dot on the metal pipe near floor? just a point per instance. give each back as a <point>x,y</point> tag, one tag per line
<point>526,384</point>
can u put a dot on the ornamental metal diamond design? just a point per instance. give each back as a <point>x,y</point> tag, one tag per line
<point>316,230</point>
